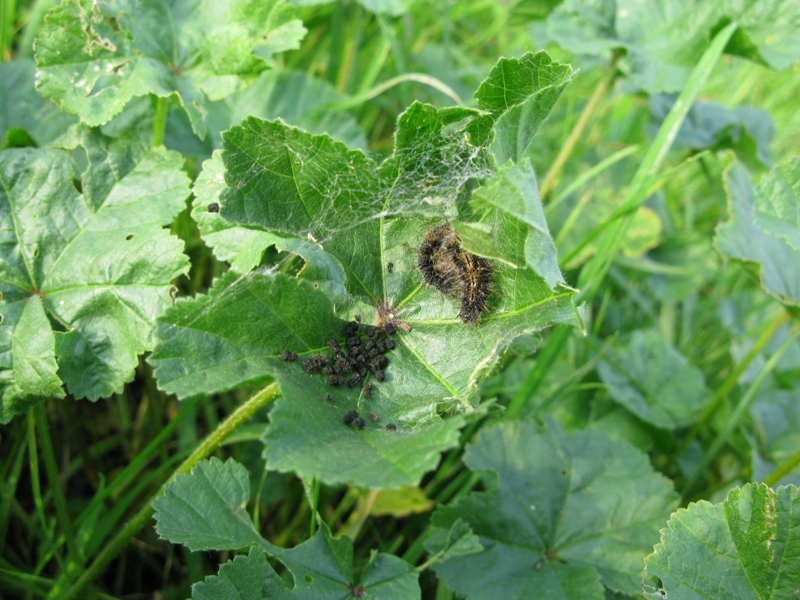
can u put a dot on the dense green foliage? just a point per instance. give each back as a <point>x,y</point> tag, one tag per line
<point>192,191</point>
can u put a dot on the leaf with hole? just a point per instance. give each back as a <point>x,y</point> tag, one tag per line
<point>94,57</point>
<point>355,217</point>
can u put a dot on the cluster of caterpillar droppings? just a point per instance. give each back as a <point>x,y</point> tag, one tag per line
<point>360,358</point>
<point>455,272</point>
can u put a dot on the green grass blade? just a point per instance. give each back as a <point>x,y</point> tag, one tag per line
<point>646,175</point>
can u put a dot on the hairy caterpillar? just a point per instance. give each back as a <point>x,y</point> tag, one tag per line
<point>453,271</point>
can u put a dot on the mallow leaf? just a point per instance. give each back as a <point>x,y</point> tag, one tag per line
<point>205,509</point>
<point>776,433</point>
<point>90,269</point>
<point>563,516</point>
<point>357,226</point>
<point>763,238</point>
<point>520,93</point>
<point>711,125</point>
<point>777,207</point>
<point>745,547</point>
<point>94,57</point>
<point>513,211</point>
<point>663,38</point>
<point>653,380</point>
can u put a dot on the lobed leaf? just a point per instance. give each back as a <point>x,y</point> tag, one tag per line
<point>743,238</point>
<point>654,381</point>
<point>357,225</point>
<point>94,57</point>
<point>664,38</point>
<point>96,264</point>
<point>746,547</point>
<point>204,510</point>
<point>563,515</point>
<point>520,93</point>
<point>711,125</point>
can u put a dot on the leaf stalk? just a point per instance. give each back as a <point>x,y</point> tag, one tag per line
<point>160,123</point>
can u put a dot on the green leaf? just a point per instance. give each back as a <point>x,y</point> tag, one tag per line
<point>514,194</point>
<point>452,543</point>
<point>711,125</point>
<point>776,429</point>
<point>746,547</point>
<point>246,577</point>
<point>777,206</point>
<point>653,381</point>
<point>520,93</point>
<point>21,107</point>
<point>93,58</point>
<point>242,247</point>
<point>27,361</point>
<point>100,261</point>
<point>204,509</point>
<point>663,38</point>
<point>357,225</point>
<point>742,239</point>
<point>562,515</point>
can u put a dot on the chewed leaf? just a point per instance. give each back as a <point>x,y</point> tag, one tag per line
<point>105,305</point>
<point>358,227</point>
<point>746,547</point>
<point>567,513</point>
<point>94,57</point>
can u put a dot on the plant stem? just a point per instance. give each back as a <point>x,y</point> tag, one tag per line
<point>141,519</point>
<point>737,415</point>
<point>314,509</point>
<point>359,516</point>
<point>600,92</point>
<point>49,459</point>
<point>160,123</point>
